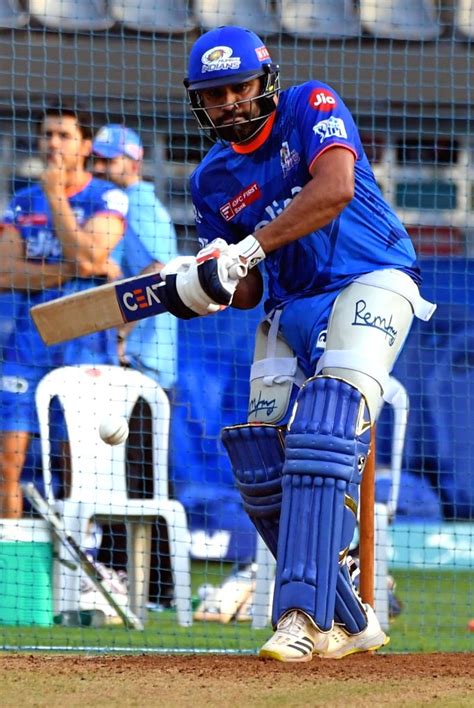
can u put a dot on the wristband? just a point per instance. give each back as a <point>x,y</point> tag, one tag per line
<point>251,250</point>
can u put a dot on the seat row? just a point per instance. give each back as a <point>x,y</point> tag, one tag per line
<point>392,19</point>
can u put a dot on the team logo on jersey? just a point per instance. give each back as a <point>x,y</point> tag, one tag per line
<point>219,59</point>
<point>288,158</point>
<point>116,200</point>
<point>241,200</point>
<point>322,100</point>
<point>330,128</point>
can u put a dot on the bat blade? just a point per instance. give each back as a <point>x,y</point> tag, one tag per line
<point>39,503</point>
<point>99,308</point>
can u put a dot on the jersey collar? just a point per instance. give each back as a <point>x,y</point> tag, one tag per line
<point>71,191</point>
<point>258,140</point>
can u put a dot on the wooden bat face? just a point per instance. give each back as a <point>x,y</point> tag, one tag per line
<point>96,309</point>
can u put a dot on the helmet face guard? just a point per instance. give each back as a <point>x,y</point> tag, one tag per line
<point>228,56</point>
<point>237,132</point>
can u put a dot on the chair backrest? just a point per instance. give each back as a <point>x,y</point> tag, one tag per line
<point>400,19</point>
<point>71,15</point>
<point>12,15</point>
<point>256,15</point>
<point>319,19</point>
<point>87,394</point>
<point>153,15</point>
<point>464,18</point>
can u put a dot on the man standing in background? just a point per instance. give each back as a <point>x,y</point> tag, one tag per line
<point>59,236</point>
<point>150,241</point>
<point>150,346</point>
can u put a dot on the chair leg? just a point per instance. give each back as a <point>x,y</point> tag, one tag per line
<point>263,586</point>
<point>381,565</point>
<point>67,579</point>
<point>139,535</point>
<point>180,549</point>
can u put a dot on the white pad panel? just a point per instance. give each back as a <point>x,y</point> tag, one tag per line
<point>367,329</point>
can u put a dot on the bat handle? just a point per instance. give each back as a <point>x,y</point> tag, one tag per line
<point>238,271</point>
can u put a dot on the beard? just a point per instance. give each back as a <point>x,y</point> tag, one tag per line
<point>240,132</point>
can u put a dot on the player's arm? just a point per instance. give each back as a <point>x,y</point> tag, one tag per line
<point>320,201</point>
<point>221,269</point>
<point>88,246</point>
<point>19,273</point>
<point>96,241</point>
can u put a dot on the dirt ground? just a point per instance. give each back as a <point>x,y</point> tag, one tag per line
<point>222,680</point>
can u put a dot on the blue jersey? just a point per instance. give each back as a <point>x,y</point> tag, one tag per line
<point>238,189</point>
<point>29,213</point>
<point>152,345</point>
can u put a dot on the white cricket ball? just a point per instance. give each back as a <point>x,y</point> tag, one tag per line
<point>113,430</point>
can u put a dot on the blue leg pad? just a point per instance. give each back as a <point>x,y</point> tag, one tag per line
<point>327,443</point>
<point>349,611</point>
<point>256,453</point>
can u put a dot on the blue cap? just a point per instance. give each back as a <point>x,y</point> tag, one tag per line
<point>114,140</point>
<point>226,55</point>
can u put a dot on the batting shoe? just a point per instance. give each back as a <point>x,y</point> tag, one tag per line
<point>296,639</point>
<point>371,638</point>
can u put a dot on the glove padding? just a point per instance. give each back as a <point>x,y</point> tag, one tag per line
<point>207,283</point>
<point>222,266</point>
<point>181,293</point>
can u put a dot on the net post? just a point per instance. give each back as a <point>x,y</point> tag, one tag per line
<point>367,526</point>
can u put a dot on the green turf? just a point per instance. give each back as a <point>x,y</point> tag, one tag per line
<point>437,607</point>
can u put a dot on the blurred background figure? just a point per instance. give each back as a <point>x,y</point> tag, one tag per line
<point>150,345</point>
<point>60,235</point>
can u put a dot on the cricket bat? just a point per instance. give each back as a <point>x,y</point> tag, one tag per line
<point>76,553</point>
<point>99,308</point>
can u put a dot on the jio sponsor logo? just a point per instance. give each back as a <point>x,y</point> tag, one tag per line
<point>322,100</point>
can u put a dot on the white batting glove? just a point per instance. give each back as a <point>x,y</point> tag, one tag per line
<point>182,294</point>
<point>207,283</point>
<point>247,252</point>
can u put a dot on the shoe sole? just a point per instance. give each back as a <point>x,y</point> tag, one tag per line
<point>358,650</point>
<point>269,654</point>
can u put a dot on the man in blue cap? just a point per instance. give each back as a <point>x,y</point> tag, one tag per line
<point>150,241</point>
<point>151,344</point>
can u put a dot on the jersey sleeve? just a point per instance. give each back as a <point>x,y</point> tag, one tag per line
<point>323,121</point>
<point>111,200</point>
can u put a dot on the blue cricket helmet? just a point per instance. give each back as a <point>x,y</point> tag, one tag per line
<point>230,55</point>
<point>226,55</point>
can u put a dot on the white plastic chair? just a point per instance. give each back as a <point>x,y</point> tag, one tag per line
<point>11,15</point>
<point>318,19</point>
<point>464,18</point>
<point>256,15</point>
<point>400,19</point>
<point>98,477</point>
<point>153,15</point>
<point>397,398</point>
<point>71,15</point>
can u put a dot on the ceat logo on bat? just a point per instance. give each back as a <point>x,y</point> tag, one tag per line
<point>139,298</point>
<point>322,100</point>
